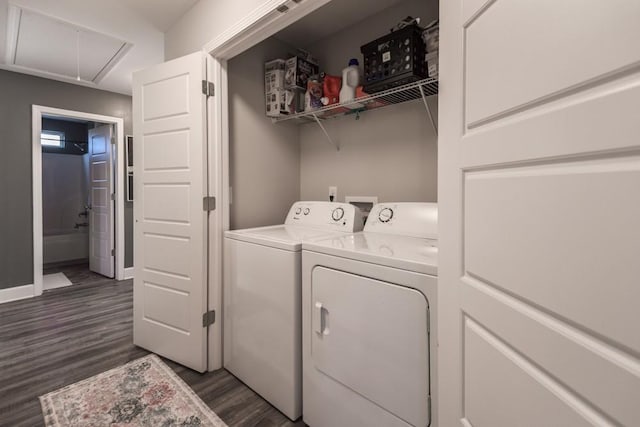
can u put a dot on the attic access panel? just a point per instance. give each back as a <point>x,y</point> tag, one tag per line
<point>44,43</point>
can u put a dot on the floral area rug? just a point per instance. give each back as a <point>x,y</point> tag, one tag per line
<point>145,392</point>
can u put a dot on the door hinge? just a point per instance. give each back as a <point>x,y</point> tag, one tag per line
<point>208,203</point>
<point>113,252</point>
<point>208,318</point>
<point>208,88</point>
<point>113,196</point>
<point>113,140</point>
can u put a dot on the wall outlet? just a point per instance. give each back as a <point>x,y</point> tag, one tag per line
<point>333,194</point>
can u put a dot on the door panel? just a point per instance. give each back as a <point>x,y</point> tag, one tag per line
<point>565,236</point>
<point>503,388</point>
<point>170,284</point>
<point>540,211</point>
<point>602,374</point>
<point>533,50</point>
<point>101,205</point>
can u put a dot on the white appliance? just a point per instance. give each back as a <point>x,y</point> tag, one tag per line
<point>368,305</point>
<point>262,299</point>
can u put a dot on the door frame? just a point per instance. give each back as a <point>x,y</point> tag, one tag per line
<point>265,21</point>
<point>38,112</point>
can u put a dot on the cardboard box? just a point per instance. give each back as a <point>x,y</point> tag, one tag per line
<point>297,72</point>
<point>431,36</point>
<point>433,67</point>
<point>275,94</point>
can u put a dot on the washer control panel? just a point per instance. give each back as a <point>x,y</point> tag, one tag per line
<point>326,215</point>
<point>404,219</point>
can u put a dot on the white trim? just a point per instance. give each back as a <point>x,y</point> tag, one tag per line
<point>128,273</point>
<point>38,111</point>
<point>16,293</point>
<point>57,77</point>
<point>14,14</point>
<point>258,25</point>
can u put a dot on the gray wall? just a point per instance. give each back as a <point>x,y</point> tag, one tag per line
<point>18,93</point>
<point>206,20</point>
<point>264,158</point>
<point>391,152</point>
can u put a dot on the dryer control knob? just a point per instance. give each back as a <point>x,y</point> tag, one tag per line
<point>385,215</point>
<point>306,211</point>
<point>337,214</point>
<point>298,211</point>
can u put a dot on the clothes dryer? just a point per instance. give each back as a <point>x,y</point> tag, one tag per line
<point>369,314</point>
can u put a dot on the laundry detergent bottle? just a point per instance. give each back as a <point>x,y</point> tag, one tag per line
<point>350,81</point>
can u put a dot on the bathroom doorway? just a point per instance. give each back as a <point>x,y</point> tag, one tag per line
<point>78,197</point>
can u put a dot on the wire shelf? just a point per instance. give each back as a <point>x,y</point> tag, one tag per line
<point>409,92</point>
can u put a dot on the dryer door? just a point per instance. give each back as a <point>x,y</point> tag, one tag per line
<point>372,337</point>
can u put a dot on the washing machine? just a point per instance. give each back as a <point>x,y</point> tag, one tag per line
<point>262,294</point>
<point>368,321</point>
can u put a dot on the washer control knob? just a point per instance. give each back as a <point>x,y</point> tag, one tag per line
<point>385,215</point>
<point>337,214</point>
<point>298,211</point>
<point>306,211</point>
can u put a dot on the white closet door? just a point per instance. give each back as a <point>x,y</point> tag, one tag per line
<point>540,213</point>
<point>101,205</point>
<point>170,170</point>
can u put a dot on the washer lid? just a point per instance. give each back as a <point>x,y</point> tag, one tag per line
<point>287,237</point>
<point>402,252</point>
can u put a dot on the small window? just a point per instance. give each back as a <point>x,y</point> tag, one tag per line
<point>51,138</point>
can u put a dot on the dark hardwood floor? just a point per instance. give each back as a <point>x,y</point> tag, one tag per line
<point>76,332</point>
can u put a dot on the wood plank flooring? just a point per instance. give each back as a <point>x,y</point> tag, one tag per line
<point>73,333</point>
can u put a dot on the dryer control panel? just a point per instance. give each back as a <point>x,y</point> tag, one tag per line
<point>404,219</point>
<point>326,215</point>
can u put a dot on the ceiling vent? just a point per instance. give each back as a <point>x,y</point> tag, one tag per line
<point>46,44</point>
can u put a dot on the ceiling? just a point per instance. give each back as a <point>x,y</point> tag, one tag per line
<point>331,18</point>
<point>161,13</point>
<point>107,41</point>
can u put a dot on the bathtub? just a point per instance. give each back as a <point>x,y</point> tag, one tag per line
<point>65,245</point>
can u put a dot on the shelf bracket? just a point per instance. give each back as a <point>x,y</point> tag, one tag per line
<point>315,117</point>
<point>426,105</point>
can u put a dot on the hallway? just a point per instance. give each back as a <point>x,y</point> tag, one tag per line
<point>72,333</point>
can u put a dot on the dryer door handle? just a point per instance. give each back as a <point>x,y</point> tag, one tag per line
<point>318,318</point>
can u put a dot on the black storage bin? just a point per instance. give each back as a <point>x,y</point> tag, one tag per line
<point>394,60</point>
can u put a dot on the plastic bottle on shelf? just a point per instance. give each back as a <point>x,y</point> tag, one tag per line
<point>350,81</point>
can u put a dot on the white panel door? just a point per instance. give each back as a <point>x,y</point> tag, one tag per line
<point>101,203</point>
<point>170,235</point>
<point>540,213</point>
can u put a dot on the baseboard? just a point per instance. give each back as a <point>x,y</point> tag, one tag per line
<point>128,273</point>
<point>16,293</point>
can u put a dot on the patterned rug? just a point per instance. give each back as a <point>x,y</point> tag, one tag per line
<point>145,392</point>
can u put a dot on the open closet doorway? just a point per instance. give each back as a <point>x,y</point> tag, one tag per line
<point>78,196</point>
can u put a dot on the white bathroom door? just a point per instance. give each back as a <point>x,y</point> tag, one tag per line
<point>539,194</point>
<point>101,201</point>
<point>170,230</point>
